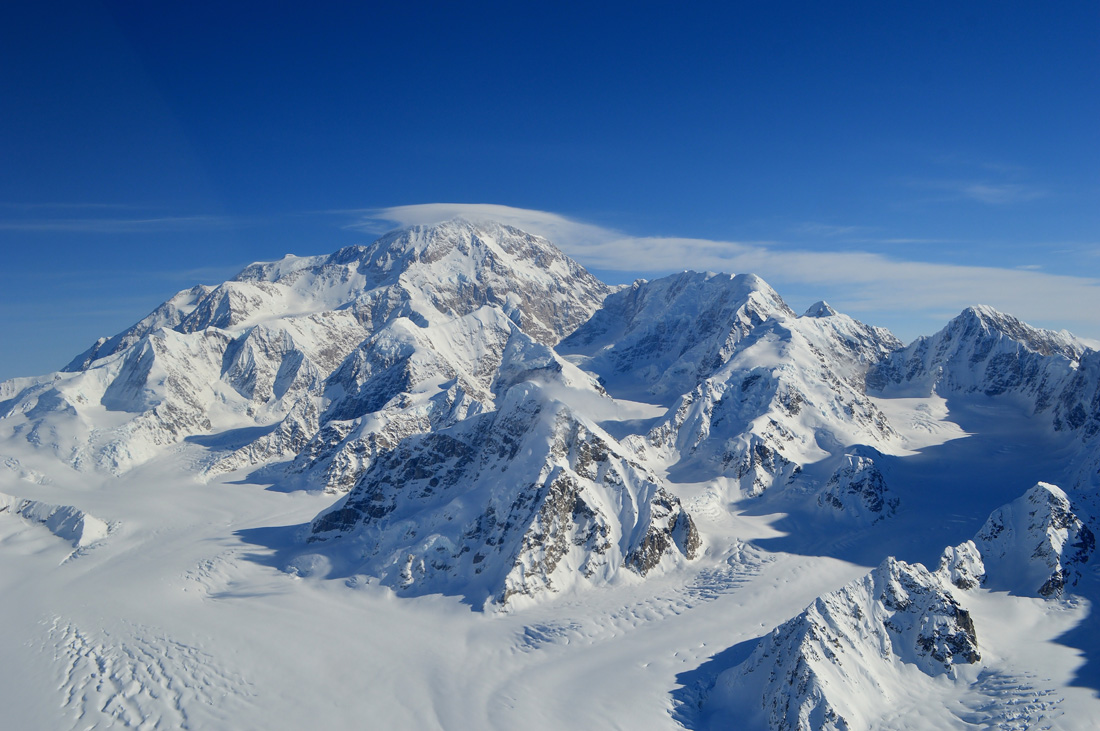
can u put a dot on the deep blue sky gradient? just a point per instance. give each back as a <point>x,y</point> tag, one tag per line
<point>145,147</point>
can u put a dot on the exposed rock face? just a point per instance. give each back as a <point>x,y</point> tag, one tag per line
<point>1035,544</point>
<point>526,499</point>
<point>857,489</point>
<point>820,669</point>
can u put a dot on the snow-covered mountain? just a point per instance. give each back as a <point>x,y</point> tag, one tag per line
<point>982,351</point>
<point>349,452</point>
<point>259,348</point>
<point>789,392</point>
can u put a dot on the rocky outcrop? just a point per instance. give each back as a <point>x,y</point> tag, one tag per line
<point>858,490</point>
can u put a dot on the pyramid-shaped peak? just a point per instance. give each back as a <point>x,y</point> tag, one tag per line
<point>821,308</point>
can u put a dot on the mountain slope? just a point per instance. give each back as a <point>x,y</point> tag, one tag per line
<point>981,351</point>
<point>526,499</point>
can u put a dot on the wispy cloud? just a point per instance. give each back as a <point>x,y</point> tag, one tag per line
<point>121,225</point>
<point>814,228</point>
<point>60,206</point>
<point>553,226</point>
<point>1000,193</point>
<point>982,191</point>
<point>856,281</point>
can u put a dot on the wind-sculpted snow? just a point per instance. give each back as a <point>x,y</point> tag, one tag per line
<point>1035,544</point>
<point>143,680</point>
<point>527,499</point>
<point>833,664</point>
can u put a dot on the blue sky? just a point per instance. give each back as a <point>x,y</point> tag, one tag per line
<point>901,160</point>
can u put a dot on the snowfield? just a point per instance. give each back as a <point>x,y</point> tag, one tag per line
<point>450,480</point>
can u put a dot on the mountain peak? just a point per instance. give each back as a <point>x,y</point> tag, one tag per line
<point>821,308</point>
<point>980,321</point>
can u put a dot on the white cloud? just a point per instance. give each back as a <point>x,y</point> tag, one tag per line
<point>559,229</point>
<point>884,290</point>
<point>1000,193</point>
